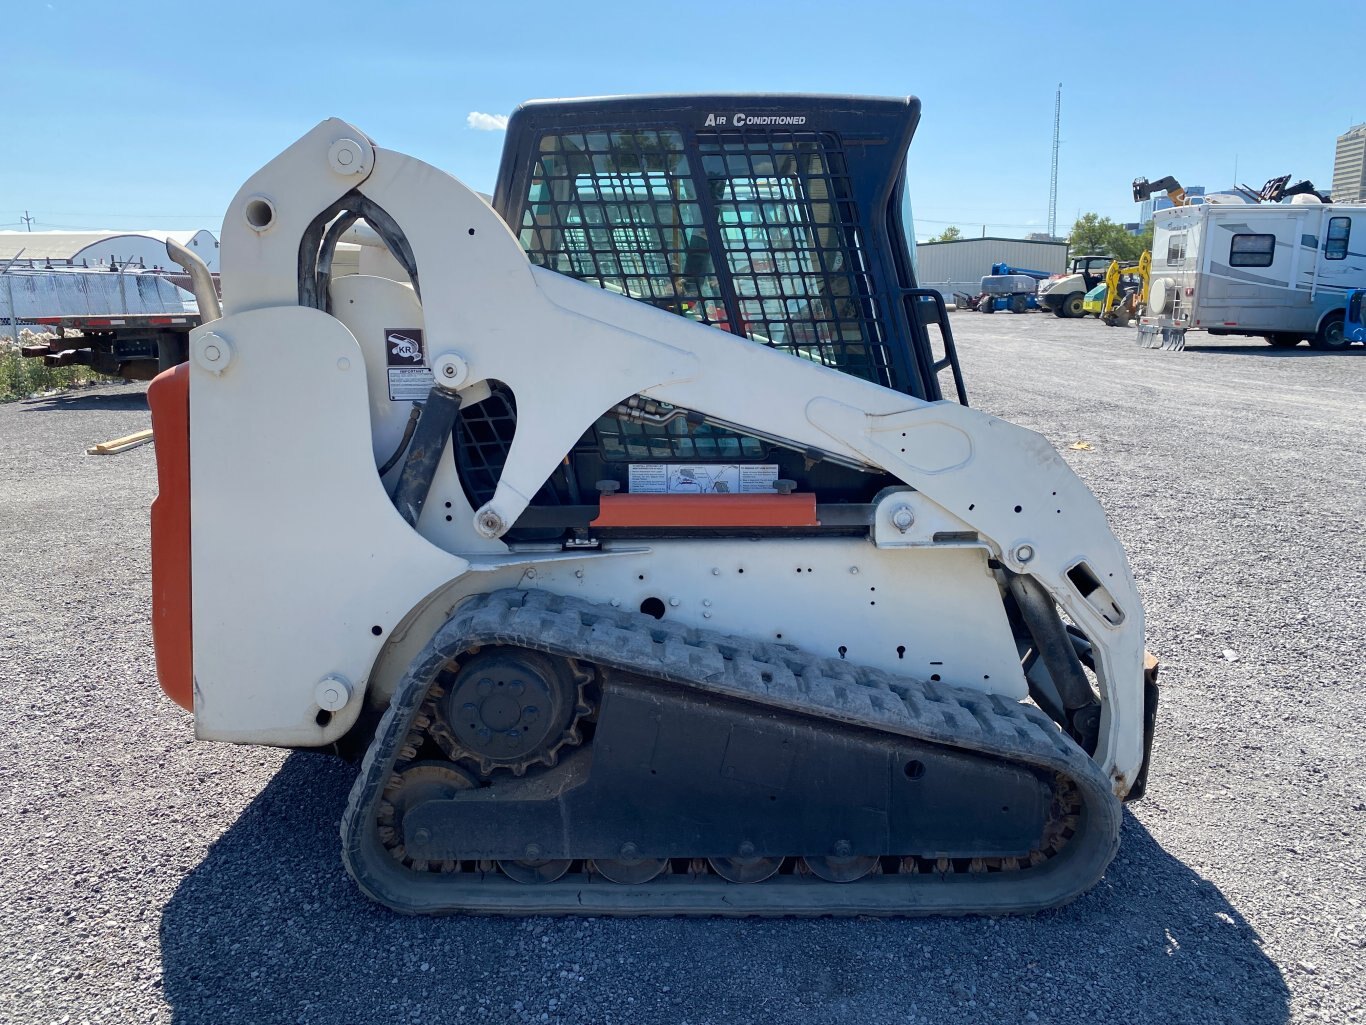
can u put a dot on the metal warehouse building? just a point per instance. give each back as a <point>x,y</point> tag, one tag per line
<point>960,265</point>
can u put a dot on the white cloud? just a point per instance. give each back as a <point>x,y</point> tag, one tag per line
<point>486,122</point>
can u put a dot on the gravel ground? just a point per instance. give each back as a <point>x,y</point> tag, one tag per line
<point>145,877</point>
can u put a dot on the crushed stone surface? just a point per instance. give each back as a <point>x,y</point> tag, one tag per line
<point>145,877</point>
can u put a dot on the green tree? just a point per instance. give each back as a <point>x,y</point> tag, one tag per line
<point>1095,234</point>
<point>1145,239</point>
<point>947,235</point>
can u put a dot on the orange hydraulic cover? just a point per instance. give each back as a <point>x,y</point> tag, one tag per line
<point>707,511</point>
<point>169,397</point>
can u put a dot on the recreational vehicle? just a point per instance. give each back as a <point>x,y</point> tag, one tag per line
<point>1278,270</point>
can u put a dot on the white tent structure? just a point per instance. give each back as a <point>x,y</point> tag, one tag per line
<point>96,249</point>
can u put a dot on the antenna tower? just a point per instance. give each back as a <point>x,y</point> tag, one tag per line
<point>1053,176</point>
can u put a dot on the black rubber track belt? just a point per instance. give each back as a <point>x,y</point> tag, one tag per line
<point>774,675</point>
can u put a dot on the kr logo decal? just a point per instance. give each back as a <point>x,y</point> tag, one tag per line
<point>404,347</point>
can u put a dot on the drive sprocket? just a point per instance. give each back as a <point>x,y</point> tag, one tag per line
<point>509,710</point>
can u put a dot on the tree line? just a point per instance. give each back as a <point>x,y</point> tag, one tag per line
<point>1090,234</point>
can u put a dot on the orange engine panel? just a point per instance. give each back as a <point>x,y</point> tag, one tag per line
<point>169,397</point>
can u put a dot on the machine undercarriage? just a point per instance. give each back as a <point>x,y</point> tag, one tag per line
<point>684,762</point>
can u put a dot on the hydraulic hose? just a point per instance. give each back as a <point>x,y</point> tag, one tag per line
<point>433,430</point>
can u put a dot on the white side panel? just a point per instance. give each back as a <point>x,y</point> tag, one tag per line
<point>923,612</point>
<point>297,553</point>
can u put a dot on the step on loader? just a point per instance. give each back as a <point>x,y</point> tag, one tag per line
<point>623,531</point>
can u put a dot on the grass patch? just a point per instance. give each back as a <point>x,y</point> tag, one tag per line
<point>21,377</point>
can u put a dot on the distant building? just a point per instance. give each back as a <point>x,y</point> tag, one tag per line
<point>1349,166</point>
<point>1194,193</point>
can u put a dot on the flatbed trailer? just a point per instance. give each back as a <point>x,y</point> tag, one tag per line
<point>134,346</point>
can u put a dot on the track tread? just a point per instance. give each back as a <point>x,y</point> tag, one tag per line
<point>781,676</point>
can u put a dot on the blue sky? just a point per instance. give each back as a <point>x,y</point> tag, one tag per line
<point>151,114</point>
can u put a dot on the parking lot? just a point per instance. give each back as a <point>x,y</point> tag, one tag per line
<point>146,877</point>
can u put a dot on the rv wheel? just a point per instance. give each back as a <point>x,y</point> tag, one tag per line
<point>1282,341</point>
<point>1331,335</point>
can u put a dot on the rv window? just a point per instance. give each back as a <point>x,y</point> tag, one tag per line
<point>1176,250</point>
<point>1252,251</point>
<point>1339,231</point>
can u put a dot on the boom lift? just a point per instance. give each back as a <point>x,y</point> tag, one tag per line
<point>620,612</point>
<point>1010,288</point>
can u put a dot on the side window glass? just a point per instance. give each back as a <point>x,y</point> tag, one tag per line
<point>1176,250</point>
<point>1252,251</point>
<point>1339,232</point>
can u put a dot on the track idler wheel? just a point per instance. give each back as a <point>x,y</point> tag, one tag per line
<point>841,870</point>
<point>535,870</point>
<point>418,783</point>
<point>630,871</point>
<point>745,870</point>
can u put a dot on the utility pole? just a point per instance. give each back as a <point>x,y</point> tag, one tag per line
<point>1053,176</point>
<point>28,221</point>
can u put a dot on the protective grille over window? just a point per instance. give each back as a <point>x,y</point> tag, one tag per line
<point>791,238</point>
<point>630,211</point>
<point>621,209</point>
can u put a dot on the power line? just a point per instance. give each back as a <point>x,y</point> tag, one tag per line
<point>125,215</point>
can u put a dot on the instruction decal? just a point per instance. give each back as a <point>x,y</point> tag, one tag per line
<point>702,479</point>
<point>405,352</point>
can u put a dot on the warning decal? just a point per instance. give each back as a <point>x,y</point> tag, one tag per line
<point>410,379</point>
<point>409,384</point>
<point>702,478</point>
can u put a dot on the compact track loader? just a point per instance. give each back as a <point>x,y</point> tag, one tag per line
<point>624,535</point>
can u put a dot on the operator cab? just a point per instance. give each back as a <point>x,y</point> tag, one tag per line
<point>778,218</point>
<point>1092,269</point>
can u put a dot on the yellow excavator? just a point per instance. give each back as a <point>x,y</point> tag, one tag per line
<point>1121,305</point>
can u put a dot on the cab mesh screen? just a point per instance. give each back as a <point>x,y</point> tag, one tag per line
<point>763,239</point>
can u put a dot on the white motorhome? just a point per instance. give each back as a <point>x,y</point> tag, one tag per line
<point>1278,270</point>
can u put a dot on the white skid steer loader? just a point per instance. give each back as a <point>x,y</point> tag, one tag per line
<point>621,531</point>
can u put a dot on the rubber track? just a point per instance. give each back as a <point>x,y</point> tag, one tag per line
<point>757,672</point>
